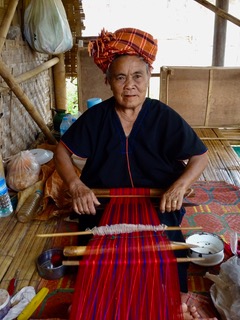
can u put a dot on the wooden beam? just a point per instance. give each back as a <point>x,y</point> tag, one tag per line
<point>31,73</point>
<point>219,12</point>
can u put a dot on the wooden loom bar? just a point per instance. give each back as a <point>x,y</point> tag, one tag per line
<point>105,193</point>
<point>73,251</point>
<point>81,233</point>
<point>179,260</point>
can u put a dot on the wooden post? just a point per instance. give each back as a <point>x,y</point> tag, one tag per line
<point>60,90</point>
<point>219,40</point>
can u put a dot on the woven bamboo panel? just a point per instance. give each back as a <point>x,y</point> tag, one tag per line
<point>17,128</point>
<point>204,96</point>
<point>75,15</point>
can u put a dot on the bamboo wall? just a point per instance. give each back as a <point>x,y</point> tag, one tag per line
<point>17,128</point>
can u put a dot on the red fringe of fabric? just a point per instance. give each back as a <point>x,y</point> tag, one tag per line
<point>129,278</point>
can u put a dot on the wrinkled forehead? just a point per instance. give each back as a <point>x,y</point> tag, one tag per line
<point>128,63</point>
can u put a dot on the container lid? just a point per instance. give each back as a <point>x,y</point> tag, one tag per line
<point>42,156</point>
<point>91,102</point>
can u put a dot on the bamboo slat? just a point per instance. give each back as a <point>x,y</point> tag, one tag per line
<point>224,164</point>
<point>25,252</point>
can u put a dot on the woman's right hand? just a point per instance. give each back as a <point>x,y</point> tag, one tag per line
<point>83,199</point>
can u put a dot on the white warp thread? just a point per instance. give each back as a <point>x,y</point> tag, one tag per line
<point>125,228</point>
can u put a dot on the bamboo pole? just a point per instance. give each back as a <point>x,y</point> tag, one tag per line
<point>6,22</point>
<point>32,73</point>
<point>220,12</point>
<point>15,87</point>
<point>60,90</point>
<point>73,251</point>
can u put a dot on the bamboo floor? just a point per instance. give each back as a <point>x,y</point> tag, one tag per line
<point>19,247</point>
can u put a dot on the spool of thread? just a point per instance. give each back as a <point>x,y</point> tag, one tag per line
<point>4,303</point>
<point>91,102</point>
<point>30,208</point>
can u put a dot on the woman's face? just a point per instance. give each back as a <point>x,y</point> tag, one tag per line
<point>129,78</point>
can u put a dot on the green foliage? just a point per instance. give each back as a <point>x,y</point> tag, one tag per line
<point>72,95</point>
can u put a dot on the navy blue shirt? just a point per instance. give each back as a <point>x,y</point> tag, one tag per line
<point>151,156</point>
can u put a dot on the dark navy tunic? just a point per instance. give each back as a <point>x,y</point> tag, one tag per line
<point>152,154</point>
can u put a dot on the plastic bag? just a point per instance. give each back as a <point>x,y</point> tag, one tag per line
<point>46,27</point>
<point>225,292</point>
<point>22,171</point>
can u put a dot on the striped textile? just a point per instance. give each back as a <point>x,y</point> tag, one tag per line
<point>123,276</point>
<point>123,41</point>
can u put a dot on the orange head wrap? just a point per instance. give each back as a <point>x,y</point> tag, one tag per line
<point>123,41</point>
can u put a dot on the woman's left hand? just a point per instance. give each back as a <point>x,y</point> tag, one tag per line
<point>172,199</point>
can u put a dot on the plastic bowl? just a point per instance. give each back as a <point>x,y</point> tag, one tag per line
<point>49,264</point>
<point>211,248</point>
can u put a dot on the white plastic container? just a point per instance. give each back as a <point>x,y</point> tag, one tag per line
<point>211,248</point>
<point>4,303</point>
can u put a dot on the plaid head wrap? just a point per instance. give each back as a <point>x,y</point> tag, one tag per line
<point>123,41</point>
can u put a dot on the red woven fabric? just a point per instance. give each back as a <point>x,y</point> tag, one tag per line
<point>123,41</point>
<point>127,278</point>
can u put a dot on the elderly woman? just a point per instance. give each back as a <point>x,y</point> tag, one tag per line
<point>130,140</point>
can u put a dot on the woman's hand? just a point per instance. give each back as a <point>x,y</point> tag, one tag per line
<point>172,199</point>
<point>83,198</point>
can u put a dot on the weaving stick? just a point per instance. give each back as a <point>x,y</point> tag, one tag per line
<point>153,193</point>
<point>117,229</point>
<point>73,251</point>
<point>179,260</point>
